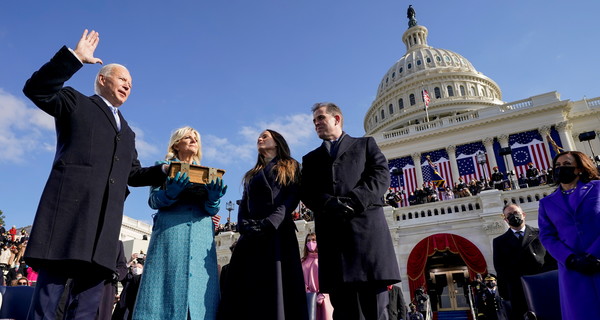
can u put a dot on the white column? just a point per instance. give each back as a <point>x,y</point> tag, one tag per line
<point>417,160</point>
<point>488,143</point>
<point>451,149</point>
<point>566,137</point>
<point>545,132</point>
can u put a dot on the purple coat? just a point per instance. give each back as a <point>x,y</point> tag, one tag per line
<point>564,231</point>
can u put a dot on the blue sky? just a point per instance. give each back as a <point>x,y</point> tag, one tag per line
<point>233,68</point>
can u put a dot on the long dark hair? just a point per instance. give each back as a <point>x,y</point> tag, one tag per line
<point>286,169</point>
<point>588,169</point>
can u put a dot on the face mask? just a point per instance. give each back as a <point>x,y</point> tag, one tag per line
<point>137,271</point>
<point>311,245</point>
<point>564,174</point>
<point>514,220</point>
<point>490,285</point>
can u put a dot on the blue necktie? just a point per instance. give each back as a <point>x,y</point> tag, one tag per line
<point>115,112</point>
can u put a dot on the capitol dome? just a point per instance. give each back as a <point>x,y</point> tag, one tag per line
<point>451,81</point>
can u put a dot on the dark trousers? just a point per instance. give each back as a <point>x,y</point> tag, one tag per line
<point>83,296</point>
<point>360,302</point>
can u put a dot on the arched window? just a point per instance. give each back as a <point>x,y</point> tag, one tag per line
<point>419,62</point>
<point>391,108</point>
<point>450,91</point>
<point>428,59</point>
<point>473,92</point>
<point>412,99</point>
<point>437,92</point>
<point>401,103</point>
<point>382,114</point>
<point>462,90</point>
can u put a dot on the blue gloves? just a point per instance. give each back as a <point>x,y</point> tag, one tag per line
<point>215,190</point>
<point>176,185</point>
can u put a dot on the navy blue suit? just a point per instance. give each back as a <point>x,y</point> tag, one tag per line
<point>77,224</point>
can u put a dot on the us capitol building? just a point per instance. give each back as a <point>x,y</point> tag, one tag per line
<point>465,131</point>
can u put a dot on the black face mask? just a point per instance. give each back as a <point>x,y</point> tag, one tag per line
<point>490,285</point>
<point>564,174</point>
<point>514,220</point>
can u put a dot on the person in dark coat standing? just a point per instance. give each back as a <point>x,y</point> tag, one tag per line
<point>343,183</point>
<point>78,220</point>
<point>489,302</point>
<point>518,252</point>
<point>265,279</point>
<point>569,222</point>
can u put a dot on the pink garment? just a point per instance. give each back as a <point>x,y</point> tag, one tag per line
<point>31,275</point>
<point>310,268</point>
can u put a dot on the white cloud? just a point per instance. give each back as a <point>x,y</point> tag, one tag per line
<point>297,129</point>
<point>144,148</point>
<point>23,130</point>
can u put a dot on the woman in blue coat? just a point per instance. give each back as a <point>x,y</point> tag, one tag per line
<point>265,279</point>
<point>569,221</point>
<point>180,279</point>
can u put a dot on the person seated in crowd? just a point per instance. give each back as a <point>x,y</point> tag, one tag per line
<point>20,282</point>
<point>462,190</point>
<point>392,198</point>
<point>412,199</point>
<point>523,181</point>
<point>532,175</point>
<point>448,194</point>
<point>498,179</point>
<point>4,258</point>
<point>475,186</point>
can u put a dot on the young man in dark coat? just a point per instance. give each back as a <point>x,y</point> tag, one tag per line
<point>77,224</point>
<point>343,183</point>
<point>518,252</point>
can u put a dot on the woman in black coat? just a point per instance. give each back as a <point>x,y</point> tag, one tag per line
<point>265,279</point>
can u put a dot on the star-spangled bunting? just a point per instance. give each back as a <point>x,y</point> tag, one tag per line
<point>436,169</point>
<point>406,181</point>
<point>528,147</point>
<point>468,167</point>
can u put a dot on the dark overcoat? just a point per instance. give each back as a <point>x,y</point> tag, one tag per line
<point>514,258</point>
<point>265,279</point>
<point>79,216</point>
<point>567,229</point>
<point>358,248</point>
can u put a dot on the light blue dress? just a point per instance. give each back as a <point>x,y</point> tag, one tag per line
<point>180,273</point>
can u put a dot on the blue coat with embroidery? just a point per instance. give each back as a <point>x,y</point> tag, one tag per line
<point>181,272</point>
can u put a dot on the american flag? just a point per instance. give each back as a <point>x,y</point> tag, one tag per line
<point>468,167</point>
<point>407,181</point>
<point>528,147</point>
<point>216,218</point>
<point>426,98</point>
<point>440,160</point>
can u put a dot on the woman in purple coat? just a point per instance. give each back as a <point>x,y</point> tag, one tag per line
<point>569,221</point>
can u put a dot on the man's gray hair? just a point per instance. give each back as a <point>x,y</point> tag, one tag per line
<point>105,71</point>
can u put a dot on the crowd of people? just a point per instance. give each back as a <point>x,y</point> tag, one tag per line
<point>429,192</point>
